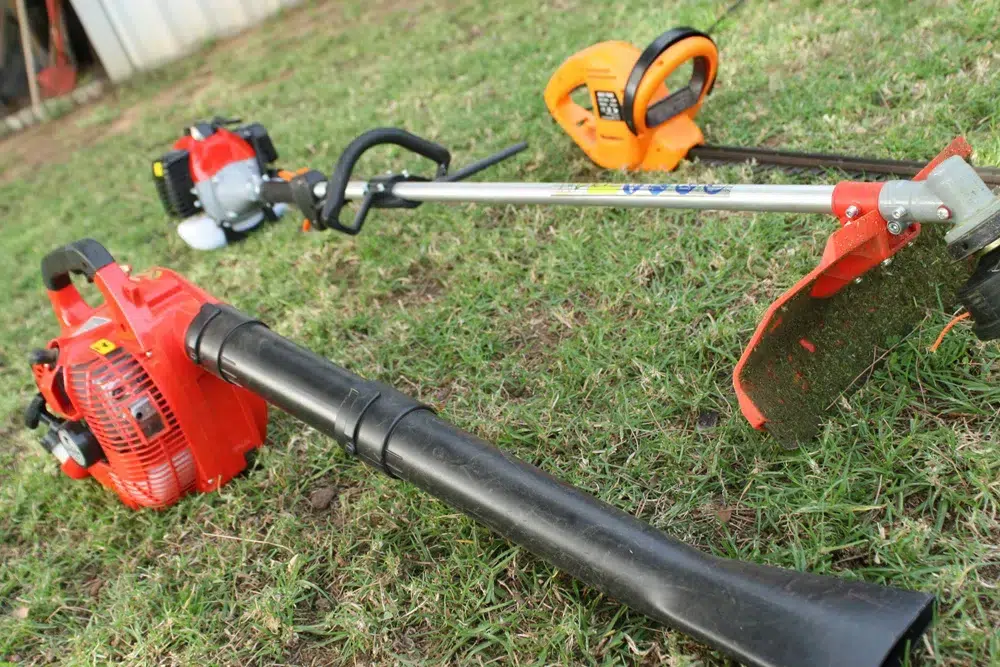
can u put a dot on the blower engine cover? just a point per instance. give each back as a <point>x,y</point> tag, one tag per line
<point>164,426</point>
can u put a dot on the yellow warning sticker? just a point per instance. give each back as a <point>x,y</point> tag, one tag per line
<point>602,189</point>
<point>579,189</point>
<point>158,169</point>
<point>103,346</point>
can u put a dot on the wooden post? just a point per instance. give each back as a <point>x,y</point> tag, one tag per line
<point>3,32</point>
<point>29,59</point>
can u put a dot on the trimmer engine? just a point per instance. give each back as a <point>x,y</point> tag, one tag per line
<point>120,400</point>
<point>210,178</point>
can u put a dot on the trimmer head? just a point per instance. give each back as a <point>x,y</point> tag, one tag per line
<point>827,332</point>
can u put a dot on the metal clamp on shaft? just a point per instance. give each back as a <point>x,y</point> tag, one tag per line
<point>373,424</point>
<point>379,195</point>
<point>209,332</point>
<point>366,419</point>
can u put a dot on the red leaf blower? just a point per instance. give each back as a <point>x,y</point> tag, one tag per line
<point>136,414</point>
<point>160,391</point>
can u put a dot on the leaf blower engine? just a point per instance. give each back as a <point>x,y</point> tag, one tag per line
<point>136,414</point>
<point>209,181</point>
<point>160,391</point>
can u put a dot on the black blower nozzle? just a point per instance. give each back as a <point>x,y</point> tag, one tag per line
<point>757,614</point>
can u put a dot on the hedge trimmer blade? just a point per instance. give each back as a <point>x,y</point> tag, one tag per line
<point>795,162</point>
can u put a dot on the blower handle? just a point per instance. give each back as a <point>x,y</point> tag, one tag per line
<point>758,614</point>
<point>92,260</point>
<point>659,60</point>
<point>85,257</point>
<point>337,186</point>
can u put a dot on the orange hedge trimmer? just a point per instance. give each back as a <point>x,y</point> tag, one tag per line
<point>633,121</point>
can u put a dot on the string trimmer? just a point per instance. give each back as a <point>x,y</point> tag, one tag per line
<point>161,390</point>
<point>634,122</point>
<point>815,340</point>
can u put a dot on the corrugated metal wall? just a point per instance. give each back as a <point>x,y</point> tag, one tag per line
<point>135,35</point>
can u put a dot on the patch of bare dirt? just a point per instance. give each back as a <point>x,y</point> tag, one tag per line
<point>264,84</point>
<point>851,558</point>
<point>41,144</point>
<point>54,141</point>
<point>418,292</point>
<point>423,284</point>
<point>542,329</point>
<point>317,655</point>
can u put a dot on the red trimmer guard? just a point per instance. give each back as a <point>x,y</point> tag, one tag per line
<point>819,339</point>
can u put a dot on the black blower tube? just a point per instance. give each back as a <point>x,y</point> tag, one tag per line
<point>757,614</point>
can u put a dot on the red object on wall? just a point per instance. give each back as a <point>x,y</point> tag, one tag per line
<point>59,78</point>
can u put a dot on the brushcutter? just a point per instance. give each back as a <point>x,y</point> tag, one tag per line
<point>160,391</point>
<point>632,121</point>
<point>814,341</point>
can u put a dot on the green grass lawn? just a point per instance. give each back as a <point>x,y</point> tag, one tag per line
<point>588,342</point>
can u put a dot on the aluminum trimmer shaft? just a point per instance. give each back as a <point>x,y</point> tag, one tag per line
<point>789,198</point>
<point>765,198</point>
<point>952,192</point>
